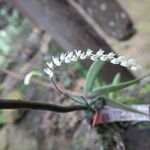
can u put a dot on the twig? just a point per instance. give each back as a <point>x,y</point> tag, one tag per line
<point>20,104</point>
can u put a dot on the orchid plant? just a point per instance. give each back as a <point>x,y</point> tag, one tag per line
<point>96,98</point>
<point>92,100</point>
<point>91,96</point>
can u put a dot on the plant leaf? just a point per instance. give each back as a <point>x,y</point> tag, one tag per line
<point>113,103</point>
<point>128,100</point>
<point>92,74</point>
<point>116,80</point>
<point>112,88</point>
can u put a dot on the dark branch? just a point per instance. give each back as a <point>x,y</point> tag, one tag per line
<point>19,104</point>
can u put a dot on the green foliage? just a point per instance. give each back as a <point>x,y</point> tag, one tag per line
<point>92,74</point>
<point>128,100</point>
<point>116,81</point>
<point>109,90</point>
<point>119,86</point>
<point>123,106</point>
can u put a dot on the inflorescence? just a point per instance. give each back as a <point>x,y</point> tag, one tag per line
<point>73,56</point>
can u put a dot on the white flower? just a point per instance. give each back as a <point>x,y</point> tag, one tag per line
<point>78,53</point>
<point>83,56</point>
<point>100,52</point>
<point>68,60</point>
<point>89,52</point>
<point>103,57</point>
<point>62,57</point>
<point>115,61</point>
<point>139,66</point>
<point>124,64</point>
<point>74,58</point>
<point>50,65</point>
<point>49,72</point>
<point>70,55</point>
<point>56,61</point>
<point>111,55</point>
<point>132,62</point>
<point>94,57</point>
<point>121,58</point>
<point>134,68</point>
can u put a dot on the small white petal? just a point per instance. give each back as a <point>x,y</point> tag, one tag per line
<point>83,56</point>
<point>62,57</point>
<point>50,65</point>
<point>74,58</point>
<point>134,68</point>
<point>49,72</point>
<point>114,61</point>
<point>94,57</point>
<point>89,52</point>
<point>121,58</point>
<point>132,62</point>
<point>139,66</point>
<point>100,52</point>
<point>68,60</point>
<point>111,55</point>
<point>103,58</point>
<point>56,61</point>
<point>70,55</point>
<point>78,53</point>
<point>124,64</point>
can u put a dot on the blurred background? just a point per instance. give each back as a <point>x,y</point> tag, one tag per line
<point>31,32</point>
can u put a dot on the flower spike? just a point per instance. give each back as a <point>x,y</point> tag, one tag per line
<point>73,56</point>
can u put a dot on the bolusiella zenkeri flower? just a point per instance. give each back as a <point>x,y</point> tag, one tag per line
<point>73,56</point>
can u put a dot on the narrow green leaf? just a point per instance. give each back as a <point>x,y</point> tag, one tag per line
<point>99,82</point>
<point>116,80</point>
<point>128,100</point>
<point>113,103</point>
<point>92,74</point>
<point>112,88</point>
